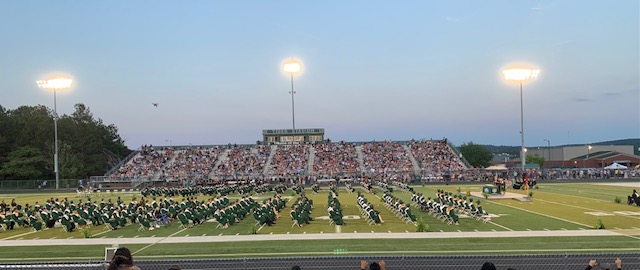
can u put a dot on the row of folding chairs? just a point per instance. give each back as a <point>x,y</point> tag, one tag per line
<point>396,211</point>
<point>366,215</point>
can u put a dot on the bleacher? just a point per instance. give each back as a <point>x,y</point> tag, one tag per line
<point>388,159</point>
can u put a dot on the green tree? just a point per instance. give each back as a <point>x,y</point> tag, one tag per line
<point>5,144</point>
<point>25,163</point>
<point>477,155</point>
<point>535,159</point>
<point>86,145</point>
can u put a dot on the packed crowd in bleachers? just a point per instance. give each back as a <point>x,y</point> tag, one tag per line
<point>190,162</point>
<point>327,160</point>
<point>435,157</point>
<point>290,159</point>
<point>147,162</point>
<point>336,159</point>
<point>388,158</point>
<point>242,160</point>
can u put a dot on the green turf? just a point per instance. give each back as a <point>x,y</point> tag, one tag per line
<point>553,207</point>
<point>524,245</point>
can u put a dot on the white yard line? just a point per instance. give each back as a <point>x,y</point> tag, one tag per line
<point>308,236</point>
<point>159,239</point>
<point>584,208</point>
<point>541,214</point>
<point>582,191</point>
<point>18,235</point>
<point>491,222</point>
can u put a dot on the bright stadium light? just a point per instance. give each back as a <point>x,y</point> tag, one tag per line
<point>58,82</point>
<point>292,67</point>
<point>520,75</point>
<point>589,147</point>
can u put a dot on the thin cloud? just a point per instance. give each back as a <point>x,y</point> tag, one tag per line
<point>565,42</point>
<point>582,99</point>
<point>539,8</point>
<point>611,94</point>
<point>453,19</point>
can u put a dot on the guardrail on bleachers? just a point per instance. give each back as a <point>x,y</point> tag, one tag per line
<point>459,154</point>
<point>122,162</point>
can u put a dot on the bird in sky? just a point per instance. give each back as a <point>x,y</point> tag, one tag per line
<point>155,104</point>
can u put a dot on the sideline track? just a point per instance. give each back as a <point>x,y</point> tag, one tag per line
<point>333,236</point>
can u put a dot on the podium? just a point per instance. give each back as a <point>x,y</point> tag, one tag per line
<point>489,189</point>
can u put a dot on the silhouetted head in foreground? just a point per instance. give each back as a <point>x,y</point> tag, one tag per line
<point>488,266</point>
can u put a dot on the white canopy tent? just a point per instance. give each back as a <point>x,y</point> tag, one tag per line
<point>615,166</point>
<point>499,167</point>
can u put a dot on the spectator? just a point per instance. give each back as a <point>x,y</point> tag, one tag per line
<point>633,199</point>
<point>593,263</point>
<point>122,260</point>
<point>488,266</point>
<point>175,267</point>
<point>373,266</point>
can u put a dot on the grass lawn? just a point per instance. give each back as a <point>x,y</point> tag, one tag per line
<point>456,246</point>
<point>553,207</point>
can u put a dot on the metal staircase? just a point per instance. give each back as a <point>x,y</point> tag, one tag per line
<point>312,159</point>
<point>219,160</point>
<point>360,157</point>
<point>267,164</point>
<point>414,162</point>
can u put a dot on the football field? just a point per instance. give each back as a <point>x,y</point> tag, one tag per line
<point>558,218</point>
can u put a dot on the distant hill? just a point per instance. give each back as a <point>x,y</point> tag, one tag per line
<point>515,150</point>
<point>499,149</point>
<point>634,142</point>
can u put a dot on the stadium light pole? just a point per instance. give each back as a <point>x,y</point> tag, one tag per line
<point>292,67</point>
<point>588,152</point>
<point>549,147</point>
<point>520,75</point>
<point>55,83</point>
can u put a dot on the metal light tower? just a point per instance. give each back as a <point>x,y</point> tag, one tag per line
<point>589,147</point>
<point>520,75</point>
<point>55,83</point>
<point>292,67</point>
<point>549,147</point>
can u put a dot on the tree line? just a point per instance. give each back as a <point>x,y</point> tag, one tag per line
<point>480,156</point>
<point>86,146</point>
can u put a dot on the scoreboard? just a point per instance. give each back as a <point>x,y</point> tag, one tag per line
<point>292,136</point>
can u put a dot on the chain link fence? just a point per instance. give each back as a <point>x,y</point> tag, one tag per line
<point>43,185</point>
<point>502,262</point>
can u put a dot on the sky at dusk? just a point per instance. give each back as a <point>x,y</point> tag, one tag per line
<point>373,70</point>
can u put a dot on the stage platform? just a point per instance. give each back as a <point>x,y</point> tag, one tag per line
<point>504,196</point>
